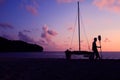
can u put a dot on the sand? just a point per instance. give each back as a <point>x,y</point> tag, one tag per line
<point>58,69</point>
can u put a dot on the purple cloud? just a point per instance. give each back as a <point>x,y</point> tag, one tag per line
<point>48,34</point>
<point>47,37</point>
<point>27,31</point>
<point>41,41</point>
<point>6,25</point>
<point>51,46</point>
<point>25,38</point>
<point>53,33</point>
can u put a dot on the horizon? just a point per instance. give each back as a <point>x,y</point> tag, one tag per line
<point>51,23</point>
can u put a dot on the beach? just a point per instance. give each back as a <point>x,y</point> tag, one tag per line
<point>58,69</point>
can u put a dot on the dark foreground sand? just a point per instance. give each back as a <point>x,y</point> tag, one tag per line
<point>59,69</point>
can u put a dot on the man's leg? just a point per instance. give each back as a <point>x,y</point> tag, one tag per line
<point>97,55</point>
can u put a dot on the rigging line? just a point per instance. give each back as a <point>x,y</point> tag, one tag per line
<point>85,32</point>
<point>73,32</point>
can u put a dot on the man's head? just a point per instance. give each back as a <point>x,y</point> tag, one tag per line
<point>95,39</point>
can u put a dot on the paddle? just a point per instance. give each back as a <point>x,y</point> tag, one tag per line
<point>99,38</point>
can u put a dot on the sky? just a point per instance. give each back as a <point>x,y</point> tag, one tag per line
<point>53,23</point>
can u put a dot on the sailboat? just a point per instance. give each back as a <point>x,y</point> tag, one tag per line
<point>68,53</point>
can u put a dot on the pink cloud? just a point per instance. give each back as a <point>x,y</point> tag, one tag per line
<point>103,3</point>
<point>68,1</point>
<point>111,5</point>
<point>6,25</point>
<point>31,6</point>
<point>31,9</point>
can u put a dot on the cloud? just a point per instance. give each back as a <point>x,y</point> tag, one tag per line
<point>45,41</point>
<point>41,42</point>
<point>31,6</point>
<point>48,34</point>
<point>68,1</point>
<point>52,32</point>
<point>47,38</point>
<point>31,9</point>
<point>51,46</point>
<point>6,25</point>
<point>25,38</point>
<point>28,31</point>
<point>111,5</point>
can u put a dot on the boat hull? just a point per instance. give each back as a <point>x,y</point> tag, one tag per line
<point>68,54</point>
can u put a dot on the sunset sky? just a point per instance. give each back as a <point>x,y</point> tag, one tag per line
<point>51,23</point>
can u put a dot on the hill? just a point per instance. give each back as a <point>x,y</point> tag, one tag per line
<point>17,46</point>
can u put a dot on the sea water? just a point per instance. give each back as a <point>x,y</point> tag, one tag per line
<point>57,54</point>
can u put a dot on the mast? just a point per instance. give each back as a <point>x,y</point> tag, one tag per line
<point>79,26</point>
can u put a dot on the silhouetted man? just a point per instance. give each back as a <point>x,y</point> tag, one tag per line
<point>94,48</point>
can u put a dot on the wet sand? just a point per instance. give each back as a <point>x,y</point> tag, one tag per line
<point>58,69</point>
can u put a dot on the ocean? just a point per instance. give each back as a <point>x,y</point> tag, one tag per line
<point>105,55</point>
